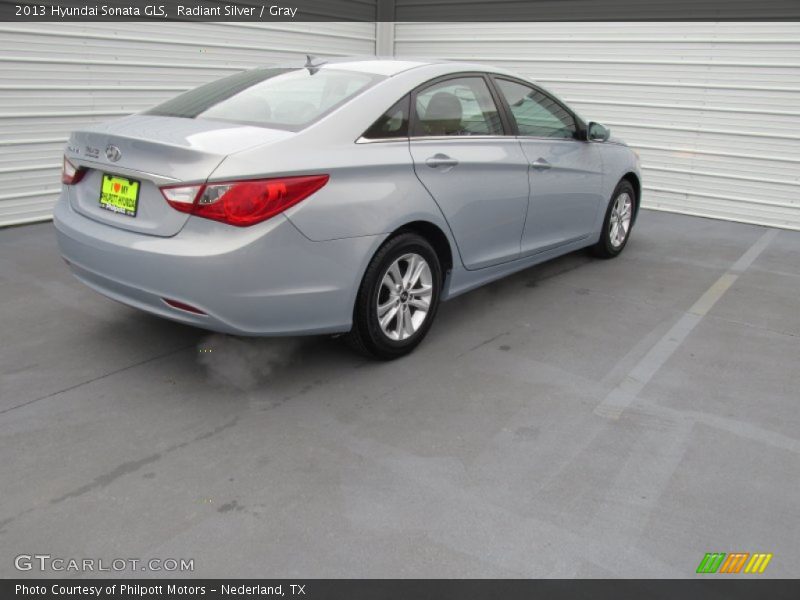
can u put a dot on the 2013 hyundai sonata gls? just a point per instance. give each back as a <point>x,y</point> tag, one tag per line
<point>347,197</point>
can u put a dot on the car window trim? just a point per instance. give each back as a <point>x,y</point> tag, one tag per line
<point>413,117</point>
<point>440,138</point>
<point>580,126</point>
<point>384,140</point>
<point>509,123</point>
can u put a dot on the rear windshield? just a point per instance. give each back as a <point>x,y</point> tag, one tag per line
<point>277,98</point>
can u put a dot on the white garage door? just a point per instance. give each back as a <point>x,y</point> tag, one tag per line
<point>55,77</point>
<point>713,108</point>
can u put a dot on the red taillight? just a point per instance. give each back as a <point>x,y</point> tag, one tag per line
<point>70,174</point>
<point>243,203</point>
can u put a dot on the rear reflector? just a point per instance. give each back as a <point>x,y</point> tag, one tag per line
<point>243,203</point>
<point>71,174</point>
<point>183,306</point>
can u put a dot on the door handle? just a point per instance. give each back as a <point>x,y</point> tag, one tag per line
<point>541,165</point>
<point>441,160</point>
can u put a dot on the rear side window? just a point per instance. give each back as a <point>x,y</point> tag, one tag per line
<point>462,106</point>
<point>535,113</point>
<point>392,124</point>
<point>278,98</point>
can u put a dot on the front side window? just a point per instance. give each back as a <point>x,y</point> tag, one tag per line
<point>536,114</point>
<point>279,98</point>
<point>456,107</point>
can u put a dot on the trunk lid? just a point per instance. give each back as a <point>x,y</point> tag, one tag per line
<point>154,151</point>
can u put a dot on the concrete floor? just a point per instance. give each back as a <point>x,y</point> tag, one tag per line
<point>583,418</point>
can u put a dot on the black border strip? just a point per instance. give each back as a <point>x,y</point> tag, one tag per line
<point>402,10</point>
<point>708,588</point>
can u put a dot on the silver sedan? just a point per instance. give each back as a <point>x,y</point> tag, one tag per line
<point>345,197</point>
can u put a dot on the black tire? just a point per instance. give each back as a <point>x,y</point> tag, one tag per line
<point>605,247</point>
<point>367,336</point>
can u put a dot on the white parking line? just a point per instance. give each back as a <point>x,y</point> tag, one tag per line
<point>640,375</point>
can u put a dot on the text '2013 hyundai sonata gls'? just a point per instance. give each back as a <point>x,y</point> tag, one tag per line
<point>344,197</point>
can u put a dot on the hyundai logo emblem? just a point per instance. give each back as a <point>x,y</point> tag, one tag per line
<point>113,153</point>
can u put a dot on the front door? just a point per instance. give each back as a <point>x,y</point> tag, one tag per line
<point>566,174</point>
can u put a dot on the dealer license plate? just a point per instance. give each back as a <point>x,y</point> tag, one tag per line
<point>119,195</point>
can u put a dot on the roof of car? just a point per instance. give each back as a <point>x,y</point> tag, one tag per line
<point>393,66</point>
<point>374,66</point>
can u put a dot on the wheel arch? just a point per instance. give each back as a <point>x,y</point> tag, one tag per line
<point>634,180</point>
<point>435,236</point>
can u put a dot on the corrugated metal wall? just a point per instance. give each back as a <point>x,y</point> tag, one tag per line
<point>55,77</point>
<point>713,108</point>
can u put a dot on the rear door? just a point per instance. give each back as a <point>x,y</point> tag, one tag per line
<point>477,176</point>
<point>565,172</point>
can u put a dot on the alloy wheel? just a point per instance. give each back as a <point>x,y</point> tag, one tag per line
<point>620,222</point>
<point>404,297</point>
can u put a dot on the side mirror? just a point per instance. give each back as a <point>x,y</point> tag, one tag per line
<point>597,133</point>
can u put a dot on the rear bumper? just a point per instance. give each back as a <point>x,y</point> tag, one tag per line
<point>268,279</point>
